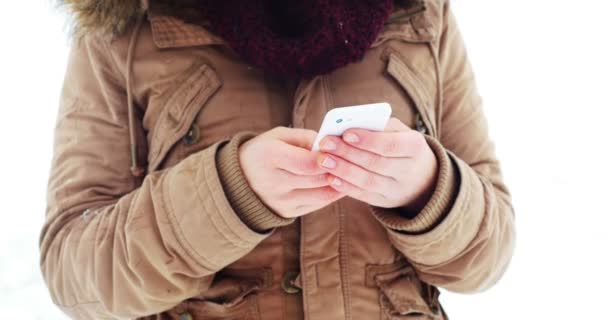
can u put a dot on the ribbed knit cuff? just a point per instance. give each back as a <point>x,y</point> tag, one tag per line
<point>438,205</point>
<point>242,198</point>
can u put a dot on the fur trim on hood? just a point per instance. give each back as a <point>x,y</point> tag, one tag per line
<point>107,17</point>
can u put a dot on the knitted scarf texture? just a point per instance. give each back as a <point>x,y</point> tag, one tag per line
<point>300,38</point>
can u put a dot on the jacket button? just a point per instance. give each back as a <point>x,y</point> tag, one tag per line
<point>192,136</point>
<point>288,283</point>
<point>185,316</point>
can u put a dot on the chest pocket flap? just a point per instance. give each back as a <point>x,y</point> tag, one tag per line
<point>187,97</point>
<point>410,80</point>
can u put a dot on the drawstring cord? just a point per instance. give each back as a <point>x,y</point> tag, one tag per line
<point>136,170</point>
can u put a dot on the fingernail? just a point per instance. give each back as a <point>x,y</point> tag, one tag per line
<point>336,182</point>
<point>328,162</point>
<point>328,145</point>
<point>351,138</point>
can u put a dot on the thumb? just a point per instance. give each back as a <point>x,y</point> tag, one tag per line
<point>395,125</point>
<point>303,138</point>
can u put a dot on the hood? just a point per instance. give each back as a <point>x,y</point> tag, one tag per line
<point>112,17</point>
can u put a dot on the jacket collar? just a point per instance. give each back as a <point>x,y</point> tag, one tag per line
<point>172,32</point>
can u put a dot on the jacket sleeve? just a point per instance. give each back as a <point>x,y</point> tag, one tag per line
<point>115,247</point>
<point>464,238</point>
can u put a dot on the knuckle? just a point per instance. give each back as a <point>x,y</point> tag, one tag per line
<point>391,146</point>
<point>369,181</point>
<point>278,132</point>
<point>330,195</point>
<point>308,166</point>
<point>307,133</point>
<point>320,179</point>
<point>373,161</point>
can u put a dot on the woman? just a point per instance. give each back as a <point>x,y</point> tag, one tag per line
<point>182,185</point>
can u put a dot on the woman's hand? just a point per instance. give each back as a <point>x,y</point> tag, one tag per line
<point>283,172</point>
<point>393,168</point>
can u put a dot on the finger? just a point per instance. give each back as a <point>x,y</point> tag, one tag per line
<point>355,192</point>
<point>402,144</point>
<point>295,181</point>
<point>303,138</point>
<point>395,125</point>
<point>365,159</point>
<point>364,179</point>
<point>305,209</point>
<point>318,197</point>
<point>295,160</point>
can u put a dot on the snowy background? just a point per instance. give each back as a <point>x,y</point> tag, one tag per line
<point>541,67</point>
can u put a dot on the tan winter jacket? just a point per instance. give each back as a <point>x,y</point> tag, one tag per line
<point>149,214</point>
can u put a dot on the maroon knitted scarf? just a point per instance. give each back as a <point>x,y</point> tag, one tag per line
<point>300,38</point>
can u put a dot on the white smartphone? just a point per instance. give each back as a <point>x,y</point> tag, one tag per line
<point>373,116</point>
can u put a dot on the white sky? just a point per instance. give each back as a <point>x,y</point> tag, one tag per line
<point>541,67</point>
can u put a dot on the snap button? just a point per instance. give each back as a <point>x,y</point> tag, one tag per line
<point>288,283</point>
<point>192,136</point>
<point>420,127</point>
<point>185,316</point>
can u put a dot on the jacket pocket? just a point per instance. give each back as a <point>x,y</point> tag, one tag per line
<point>182,103</point>
<point>233,295</point>
<point>410,80</point>
<point>402,295</point>
<point>244,307</point>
